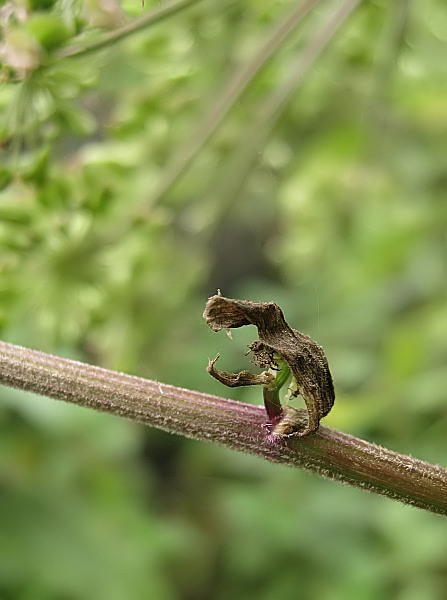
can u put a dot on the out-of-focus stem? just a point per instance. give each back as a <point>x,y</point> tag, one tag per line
<point>228,97</point>
<point>239,426</point>
<point>246,156</point>
<point>155,16</point>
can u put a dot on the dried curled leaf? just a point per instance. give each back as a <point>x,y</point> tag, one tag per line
<point>305,358</point>
<point>238,379</point>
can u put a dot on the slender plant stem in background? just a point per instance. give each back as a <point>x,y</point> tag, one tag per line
<point>228,97</point>
<point>236,425</point>
<point>161,13</point>
<point>234,176</point>
<point>388,53</point>
<point>279,99</point>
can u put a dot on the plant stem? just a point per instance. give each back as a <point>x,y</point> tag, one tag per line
<point>234,177</point>
<point>228,96</point>
<point>236,425</point>
<point>153,17</point>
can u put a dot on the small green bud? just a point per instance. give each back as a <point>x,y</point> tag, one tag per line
<point>49,31</point>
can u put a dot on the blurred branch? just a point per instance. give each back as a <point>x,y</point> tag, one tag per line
<point>389,51</point>
<point>152,18</point>
<point>234,176</point>
<point>236,425</point>
<point>228,97</point>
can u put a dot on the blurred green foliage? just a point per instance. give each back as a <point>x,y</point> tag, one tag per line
<point>342,219</point>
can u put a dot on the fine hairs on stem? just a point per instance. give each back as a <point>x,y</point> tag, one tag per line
<point>236,425</point>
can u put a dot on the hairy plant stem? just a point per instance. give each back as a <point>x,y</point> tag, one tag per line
<point>236,425</point>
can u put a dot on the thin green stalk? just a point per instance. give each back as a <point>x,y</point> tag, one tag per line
<point>272,401</point>
<point>236,425</point>
<point>233,178</point>
<point>228,97</point>
<point>389,49</point>
<point>165,11</point>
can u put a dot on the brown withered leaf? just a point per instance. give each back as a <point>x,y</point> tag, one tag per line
<point>237,379</point>
<point>304,356</point>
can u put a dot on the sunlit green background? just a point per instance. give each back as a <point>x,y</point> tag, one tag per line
<point>340,216</point>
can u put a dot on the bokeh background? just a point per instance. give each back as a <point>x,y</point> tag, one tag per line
<point>107,255</point>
